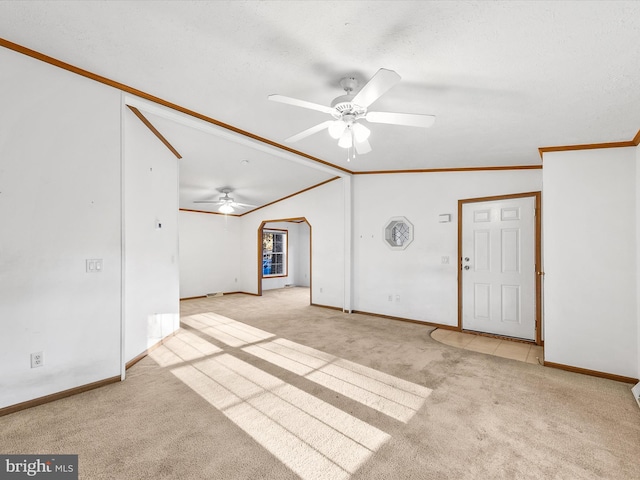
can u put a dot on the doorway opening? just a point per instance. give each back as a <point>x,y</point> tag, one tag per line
<point>499,271</point>
<point>284,254</point>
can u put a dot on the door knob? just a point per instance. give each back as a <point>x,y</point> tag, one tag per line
<point>466,267</point>
<point>466,259</point>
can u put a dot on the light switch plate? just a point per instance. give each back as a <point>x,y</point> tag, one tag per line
<point>94,265</point>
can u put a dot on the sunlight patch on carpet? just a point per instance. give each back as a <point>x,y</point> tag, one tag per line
<point>313,438</point>
<point>198,343</point>
<point>385,393</point>
<point>228,331</point>
<point>182,347</point>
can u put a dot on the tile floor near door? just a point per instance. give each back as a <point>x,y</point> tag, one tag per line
<point>523,352</point>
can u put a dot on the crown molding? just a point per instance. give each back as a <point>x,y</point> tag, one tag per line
<point>460,169</point>
<point>591,146</point>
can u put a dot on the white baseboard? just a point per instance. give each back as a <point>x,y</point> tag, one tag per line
<point>636,393</point>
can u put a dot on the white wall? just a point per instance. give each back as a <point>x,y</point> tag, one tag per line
<point>60,204</point>
<point>212,261</point>
<point>427,289</point>
<point>203,269</point>
<point>71,190</point>
<point>209,250</point>
<point>152,307</point>
<point>303,259</point>
<point>590,259</point>
<point>323,207</point>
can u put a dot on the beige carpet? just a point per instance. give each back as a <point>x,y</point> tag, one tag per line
<point>272,388</point>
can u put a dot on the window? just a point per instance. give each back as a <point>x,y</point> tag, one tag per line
<point>398,233</point>
<point>274,253</point>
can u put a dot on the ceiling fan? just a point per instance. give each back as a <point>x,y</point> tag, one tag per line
<point>350,109</point>
<point>227,203</point>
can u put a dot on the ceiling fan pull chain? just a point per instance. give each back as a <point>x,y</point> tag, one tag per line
<point>351,153</point>
<point>353,143</point>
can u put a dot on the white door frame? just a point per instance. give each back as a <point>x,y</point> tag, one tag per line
<point>538,255</point>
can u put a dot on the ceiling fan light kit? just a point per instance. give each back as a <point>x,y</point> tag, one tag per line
<point>225,208</point>
<point>337,128</point>
<point>350,110</point>
<point>360,132</point>
<point>346,140</point>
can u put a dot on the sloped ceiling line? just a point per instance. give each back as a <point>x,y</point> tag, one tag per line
<point>198,123</point>
<point>155,131</point>
<point>289,196</point>
<point>139,93</point>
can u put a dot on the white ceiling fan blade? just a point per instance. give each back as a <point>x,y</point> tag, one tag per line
<point>363,147</point>
<point>408,119</point>
<point>382,81</point>
<point>360,132</point>
<point>309,131</point>
<point>242,205</point>
<point>206,201</point>
<point>301,103</point>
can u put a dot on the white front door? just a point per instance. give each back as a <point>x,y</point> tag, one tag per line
<point>498,267</point>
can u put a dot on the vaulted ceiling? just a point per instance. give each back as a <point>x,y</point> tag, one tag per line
<point>502,79</point>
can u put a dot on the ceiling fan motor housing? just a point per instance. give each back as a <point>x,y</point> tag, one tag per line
<point>226,198</point>
<point>346,110</point>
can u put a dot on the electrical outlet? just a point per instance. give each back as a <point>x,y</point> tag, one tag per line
<point>390,298</point>
<point>37,359</point>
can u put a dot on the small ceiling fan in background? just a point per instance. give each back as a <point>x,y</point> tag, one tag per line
<point>349,110</point>
<point>227,203</point>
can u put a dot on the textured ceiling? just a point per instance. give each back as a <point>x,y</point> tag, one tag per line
<point>502,78</point>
